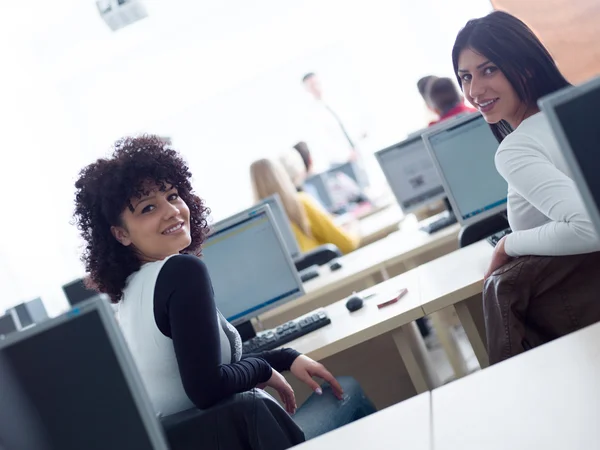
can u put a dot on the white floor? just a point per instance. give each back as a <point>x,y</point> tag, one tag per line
<point>440,360</point>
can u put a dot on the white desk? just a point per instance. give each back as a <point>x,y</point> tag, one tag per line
<point>439,284</point>
<point>351,329</point>
<point>406,425</point>
<point>379,225</point>
<point>447,283</point>
<point>360,269</point>
<point>366,267</point>
<point>547,398</point>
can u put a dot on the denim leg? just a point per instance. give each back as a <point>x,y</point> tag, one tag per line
<point>323,413</point>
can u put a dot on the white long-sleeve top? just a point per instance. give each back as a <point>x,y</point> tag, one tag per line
<point>545,209</point>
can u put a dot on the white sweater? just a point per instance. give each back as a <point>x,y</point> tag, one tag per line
<point>545,210</point>
<point>152,351</point>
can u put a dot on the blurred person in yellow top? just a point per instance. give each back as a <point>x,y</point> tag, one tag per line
<point>312,225</point>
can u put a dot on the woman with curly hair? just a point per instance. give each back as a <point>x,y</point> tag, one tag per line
<point>144,228</point>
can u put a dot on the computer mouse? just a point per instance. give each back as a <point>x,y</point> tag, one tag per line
<point>354,303</point>
<point>335,265</point>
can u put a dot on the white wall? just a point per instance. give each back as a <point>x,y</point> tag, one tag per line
<point>222,80</point>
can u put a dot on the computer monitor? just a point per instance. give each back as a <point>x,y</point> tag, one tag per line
<point>323,187</point>
<point>316,186</point>
<point>353,171</point>
<point>441,124</point>
<point>70,384</point>
<point>8,325</point>
<point>573,118</point>
<point>411,174</point>
<point>76,292</point>
<point>463,153</point>
<point>250,268</point>
<point>30,313</point>
<point>283,223</point>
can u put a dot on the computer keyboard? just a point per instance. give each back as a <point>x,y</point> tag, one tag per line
<point>439,224</point>
<point>287,332</point>
<point>494,238</point>
<point>309,273</point>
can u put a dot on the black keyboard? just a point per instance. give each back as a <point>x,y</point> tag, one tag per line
<point>439,224</point>
<point>494,238</point>
<point>308,274</point>
<point>287,332</point>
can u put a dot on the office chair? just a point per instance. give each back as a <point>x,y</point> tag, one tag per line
<point>251,419</point>
<point>480,230</point>
<point>319,256</point>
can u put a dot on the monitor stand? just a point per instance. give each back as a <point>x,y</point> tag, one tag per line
<point>246,330</point>
<point>475,232</point>
<point>441,220</point>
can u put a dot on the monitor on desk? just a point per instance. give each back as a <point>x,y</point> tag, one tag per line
<point>573,118</point>
<point>30,313</point>
<point>353,171</point>
<point>463,153</point>
<point>334,193</point>
<point>283,224</point>
<point>316,186</point>
<point>8,324</point>
<point>411,174</point>
<point>71,384</point>
<point>249,265</point>
<point>76,292</point>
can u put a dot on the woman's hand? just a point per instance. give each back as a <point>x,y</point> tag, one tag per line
<point>499,258</point>
<point>305,368</point>
<point>283,388</point>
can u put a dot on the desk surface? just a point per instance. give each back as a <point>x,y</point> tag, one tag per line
<point>411,242</point>
<point>379,225</point>
<point>405,425</point>
<point>349,329</point>
<point>454,277</point>
<point>547,398</point>
<point>367,261</point>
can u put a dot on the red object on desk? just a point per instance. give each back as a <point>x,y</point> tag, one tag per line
<point>401,294</point>
<point>361,209</point>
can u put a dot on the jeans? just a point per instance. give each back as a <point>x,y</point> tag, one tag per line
<point>323,413</point>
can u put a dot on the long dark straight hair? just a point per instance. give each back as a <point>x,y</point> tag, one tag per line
<point>511,45</point>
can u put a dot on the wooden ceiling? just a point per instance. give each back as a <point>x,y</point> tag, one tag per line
<point>570,29</point>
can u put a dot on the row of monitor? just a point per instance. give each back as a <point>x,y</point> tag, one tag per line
<point>447,161</point>
<point>250,255</point>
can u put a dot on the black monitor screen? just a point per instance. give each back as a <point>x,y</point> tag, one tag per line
<point>63,389</point>
<point>76,292</point>
<point>24,316</point>
<point>579,120</point>
<point>7,326</point>
<point>353,171</point>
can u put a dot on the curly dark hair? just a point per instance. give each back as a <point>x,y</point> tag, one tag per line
<point>103,191</point>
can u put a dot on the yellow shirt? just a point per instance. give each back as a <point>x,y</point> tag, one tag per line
<point>323,229</point>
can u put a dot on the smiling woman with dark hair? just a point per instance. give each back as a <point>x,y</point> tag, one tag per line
<point>144,227</point>
<point>504,70</point>
<point>114,194</point>
<point>538,285</point>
